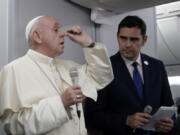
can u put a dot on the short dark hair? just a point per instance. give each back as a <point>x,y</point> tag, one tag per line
<point>133,21</point>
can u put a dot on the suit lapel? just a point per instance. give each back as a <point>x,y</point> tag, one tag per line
<point>146,75</point>
<point>124,76</point>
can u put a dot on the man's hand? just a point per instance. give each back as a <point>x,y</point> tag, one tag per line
<point>165,125</point>
<point>78,35</point>
<point>71,96</point>
<point>137,120</point>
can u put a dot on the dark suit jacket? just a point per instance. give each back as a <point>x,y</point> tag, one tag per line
<point>119,99</point>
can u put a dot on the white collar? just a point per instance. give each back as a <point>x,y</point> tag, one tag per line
<point>40,57</point>
<point>129,62</point>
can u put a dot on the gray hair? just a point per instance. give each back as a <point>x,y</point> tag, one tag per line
<point>30,27</point>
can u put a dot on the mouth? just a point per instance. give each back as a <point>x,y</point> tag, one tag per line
<point>62,43</point>
<point>126,50</point>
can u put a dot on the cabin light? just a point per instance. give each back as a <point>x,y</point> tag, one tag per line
<point>100,9</point>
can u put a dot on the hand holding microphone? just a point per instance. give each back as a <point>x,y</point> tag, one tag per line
<point>139,119</point>
<point>73,94</point>
<point>73,72</point>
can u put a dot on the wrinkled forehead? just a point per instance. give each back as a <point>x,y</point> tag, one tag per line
<point>49,21</point>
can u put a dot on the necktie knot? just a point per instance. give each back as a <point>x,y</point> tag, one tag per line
<point>135,64</point>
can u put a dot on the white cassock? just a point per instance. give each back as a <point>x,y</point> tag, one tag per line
<point>30,89</point>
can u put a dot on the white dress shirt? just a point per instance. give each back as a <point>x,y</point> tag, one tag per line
<point>131,68</point>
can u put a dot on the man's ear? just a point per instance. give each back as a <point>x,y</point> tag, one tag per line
<point>145,39</point>
<point>36,37</point>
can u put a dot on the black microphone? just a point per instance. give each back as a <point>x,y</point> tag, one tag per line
<point>73,72</point>
<point>147,109</point>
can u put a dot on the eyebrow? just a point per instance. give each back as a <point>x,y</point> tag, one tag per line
<point>131,38</point>
<point>57,25</point>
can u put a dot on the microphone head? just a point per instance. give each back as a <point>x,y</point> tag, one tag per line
<point>148,109</point>
<point>73,72</point>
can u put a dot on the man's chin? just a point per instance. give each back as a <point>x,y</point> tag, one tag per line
<point>61,52</point>
<point>128,57</point>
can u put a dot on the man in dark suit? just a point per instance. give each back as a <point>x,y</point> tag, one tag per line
<point>139,80</point>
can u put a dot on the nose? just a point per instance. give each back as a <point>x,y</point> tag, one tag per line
<point>128,43</point>
<point>61,34</point>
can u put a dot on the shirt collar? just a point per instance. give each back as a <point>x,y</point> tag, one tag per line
<point>129,62</point>
<point>40,57</point>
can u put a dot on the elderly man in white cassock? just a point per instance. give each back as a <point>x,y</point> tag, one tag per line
<point>37,96</point>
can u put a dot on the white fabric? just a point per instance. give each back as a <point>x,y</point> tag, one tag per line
<point>47,58</point>
<point>30,26</point>
<point>29,101</point>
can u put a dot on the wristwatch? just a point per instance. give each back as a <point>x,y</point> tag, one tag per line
<point>91,45</point>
